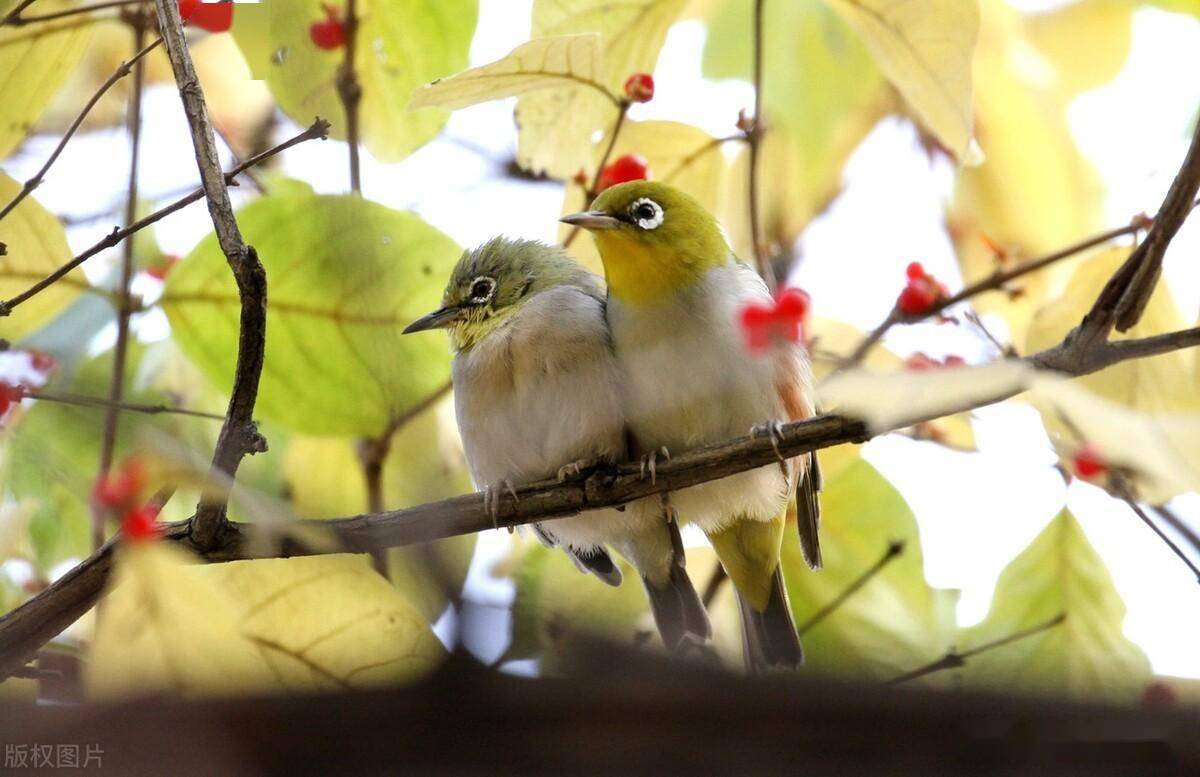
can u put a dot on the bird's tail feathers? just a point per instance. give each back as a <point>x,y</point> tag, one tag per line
<point>769,637</point>
<point>678,611</point>
<point>808,512</point>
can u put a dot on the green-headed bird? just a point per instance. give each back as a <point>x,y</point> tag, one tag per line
<point>675,295</point>
<point>536,393</point>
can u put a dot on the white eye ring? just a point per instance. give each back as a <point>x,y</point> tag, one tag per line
<point>646,213</point>
<point>484,297</point>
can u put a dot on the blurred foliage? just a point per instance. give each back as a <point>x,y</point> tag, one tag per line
<point>1087,655</point>
<point>347,274</point>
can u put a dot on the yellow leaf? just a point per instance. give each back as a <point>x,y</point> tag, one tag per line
<point>328,622</point>
<point>1160,449</point>
<point>1036,193</point>
<point>301,624</point>
<point>35,246</point>
<point>557,127</point>
<point>166,628</point>
<point>1157,384</point>
<point>925,49</point>
<point>545,63</point>
<point>35,60</point>
<point>1086,42</point>
<point>678,154</point>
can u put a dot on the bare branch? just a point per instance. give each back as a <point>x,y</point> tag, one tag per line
<point>122,70</point>
<point>956,660</point>
<point>239,435</point>
<point>594,187</point>
<point>16,19</point>
<point>350,92</point>
<point>116,384</point>
<point>894,551</point>
<point>318,129</point>
<point>80,400</point>
<point>754,139</point>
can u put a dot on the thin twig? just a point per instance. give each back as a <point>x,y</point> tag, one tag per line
<point>19,20</point>
<point>754,138</point>
<point>956,660</point>
<point>1176,523</point>
<point>1127,497</point>
<point>15,13</point>
<point>80,400</point>
<point>239,434</point>
<point>350,92</point>
<point>594,186</point>
<point>116,384</point>
<point>894,550</point>
<point>318,129</point>
<point>122,70</point>
<point>713,586</point>
<point>251,175</point>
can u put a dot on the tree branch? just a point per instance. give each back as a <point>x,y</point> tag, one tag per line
<point>894,550</point>
<point>122,70</point>
<point>593,187</point>
<point>350,92</point>
<point>318,129</point>
<point>956,660</point>
<point>116,383</point>
<point>239,434</point>
<point>754,139</point>
<point>16,19</point>
<point>80,400</point>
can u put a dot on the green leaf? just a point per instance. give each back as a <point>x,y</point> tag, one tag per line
<point>400,46</point>
<point>895,622</point>
<point>557,125</point>
<point>55,452</point>
<point>34,62</point>
<point>345,276</point>
<point>822,94</point>
<point>35,246</point>
<point>1085,656</point>
<point>426,463</point>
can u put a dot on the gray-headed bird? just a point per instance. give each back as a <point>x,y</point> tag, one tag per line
<point>537,395</point>
<point>676,295</point>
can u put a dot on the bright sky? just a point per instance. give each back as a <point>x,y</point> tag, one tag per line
<point>976,511</point>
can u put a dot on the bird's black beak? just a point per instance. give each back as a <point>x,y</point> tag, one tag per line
<point>591,219</point>
<point>436,320</point>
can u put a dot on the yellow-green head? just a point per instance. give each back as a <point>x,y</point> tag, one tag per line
<point>654,239</point>
<point>493,281</point>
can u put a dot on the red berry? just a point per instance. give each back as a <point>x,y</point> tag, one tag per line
<point>328,34</point>
<point>916,298</point>
<point>919,362</point>
<point>159,271</point>
<point>214,17</point>
<point>792,303</point>
<point>581,178</point>
<point>1088,462</point>
<point>631,167</point>
<point>954,361</point>
<point>120,489</point>
<point>639,88</point>
<point>42,361</point>
<point>9,395</point>
<point>140,523</point>
<point>914,271</point>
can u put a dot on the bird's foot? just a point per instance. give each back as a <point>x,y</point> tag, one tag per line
<point>491,499</point>
<point>772,429</point>
<point>578,467</point>
<point>649,463</point>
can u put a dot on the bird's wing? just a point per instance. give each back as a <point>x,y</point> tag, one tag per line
<point>795,386</point>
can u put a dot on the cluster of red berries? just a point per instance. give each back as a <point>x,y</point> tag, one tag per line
<point>1088,463</point>
<point>921,292</point>
<point>330,32</point>
<point>639,88</point>
<point>781,320</point>
<point>214,17</point>
<point>919,362</point>
<point>631,167</point>
<point>120,493</point>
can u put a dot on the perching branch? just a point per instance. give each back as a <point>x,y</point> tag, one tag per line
<point>239,434</point>
<point>956,660</point>
<point>318,129</point>
<point>122,70</point>
<point>116,383</point>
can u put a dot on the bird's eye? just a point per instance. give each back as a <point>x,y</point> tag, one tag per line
<point>482,289</point>
<point>646,213</point>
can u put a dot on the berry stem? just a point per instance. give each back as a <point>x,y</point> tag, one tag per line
<point>622,109</point>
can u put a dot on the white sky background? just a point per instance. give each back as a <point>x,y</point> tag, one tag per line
<point>976,511</point>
